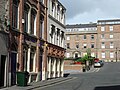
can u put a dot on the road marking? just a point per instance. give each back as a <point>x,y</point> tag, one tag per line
<point>97,69</point>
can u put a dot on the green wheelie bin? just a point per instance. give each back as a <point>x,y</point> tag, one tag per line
<point>22,78</point>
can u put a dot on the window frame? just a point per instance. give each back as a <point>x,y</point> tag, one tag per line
<point>102,28</point>
<point>15,14</point>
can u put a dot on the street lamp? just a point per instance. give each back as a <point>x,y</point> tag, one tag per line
<point>116,54</point>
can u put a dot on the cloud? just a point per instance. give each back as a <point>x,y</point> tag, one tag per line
<point>88,10</point>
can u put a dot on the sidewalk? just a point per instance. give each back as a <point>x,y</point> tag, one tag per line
<point>38,84</point>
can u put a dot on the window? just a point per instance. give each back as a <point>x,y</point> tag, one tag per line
<point>93,54</point>
<point>31,61</point>
<point>26,9</point>
<point>84,45</point>
<point>111,45</point>
<point>67,55</point>
<point>111,36</point>
<point>76,55</point>
<point>15,14</point>
<point>92,45</point>
<point>111,55</point>
<point>92,37</point>
<point>33,21</point>
<point>25,58</point>
<point>42,29</point>
<point>102,28</point>
<point>62,15</point>
<point>52,36</point>
<point>102,36</point>
<point>84,37</point>
<point>68,38</point>
<point>102,45</point>
<point>68,45</point>
<point>53,9</point>
<point>77,45</point>
<point>103,55</point>
<point>111,28</point>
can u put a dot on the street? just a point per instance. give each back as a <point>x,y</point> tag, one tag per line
<point>107,78</point>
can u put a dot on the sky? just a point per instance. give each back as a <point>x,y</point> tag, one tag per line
<point>86,11</point>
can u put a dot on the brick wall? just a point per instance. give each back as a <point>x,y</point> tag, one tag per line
<point>68,65</point>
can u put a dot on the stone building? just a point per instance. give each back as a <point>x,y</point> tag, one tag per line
<point>101,37</point>
<point>109,39</point>
<point>4,55</point>
<point>56,38</point>
<point>79,38</point>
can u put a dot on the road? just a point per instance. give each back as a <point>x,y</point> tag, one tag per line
<point>107,78</point>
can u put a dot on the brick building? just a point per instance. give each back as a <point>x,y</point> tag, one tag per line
<point>27,19</point>
<point>101,37</point>
<point>32,39</point>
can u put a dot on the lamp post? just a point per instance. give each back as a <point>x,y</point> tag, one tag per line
<point>116,54</point>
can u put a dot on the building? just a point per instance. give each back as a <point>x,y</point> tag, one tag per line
<point>109,39</point>
<point>26,45</point>
<point>4,43</point>
<point>101,37</point>
<point>56,38</point>
<point>32,39</point>
<point>79,38</point>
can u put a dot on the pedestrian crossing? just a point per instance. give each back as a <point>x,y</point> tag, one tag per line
<point>95,70</point>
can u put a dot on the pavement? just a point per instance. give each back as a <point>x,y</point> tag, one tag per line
<point>39,84</point>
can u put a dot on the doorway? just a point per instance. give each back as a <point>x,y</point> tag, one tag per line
<point>2,70</point>
<point>13,68</point>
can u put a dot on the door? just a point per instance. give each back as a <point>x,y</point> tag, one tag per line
<point>13,68</point>
<point>2,70</point>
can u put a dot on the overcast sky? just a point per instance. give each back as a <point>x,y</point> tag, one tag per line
<point>85,11</point>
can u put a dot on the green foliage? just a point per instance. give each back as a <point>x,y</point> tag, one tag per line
<point>88,52</point>
<point>85,58</point>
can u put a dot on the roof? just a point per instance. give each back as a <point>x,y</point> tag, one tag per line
<point>81,25</point>
<point>112,20</point>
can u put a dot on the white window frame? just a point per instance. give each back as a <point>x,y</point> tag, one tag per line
<point>68,38</point>
<point>111,45</point>
<point>111,55</point>
<point>111,28</point>
<point>103,54</point>
<point>111,35</point>
<point>84,45</point>
<point>102,36</point>
<point>102,45</point>
<point>102,28</point>
<point>67,55</point>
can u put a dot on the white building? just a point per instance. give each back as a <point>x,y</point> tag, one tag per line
<point>56,38</point>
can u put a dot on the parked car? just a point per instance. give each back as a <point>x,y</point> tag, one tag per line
<point>99,63</point>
